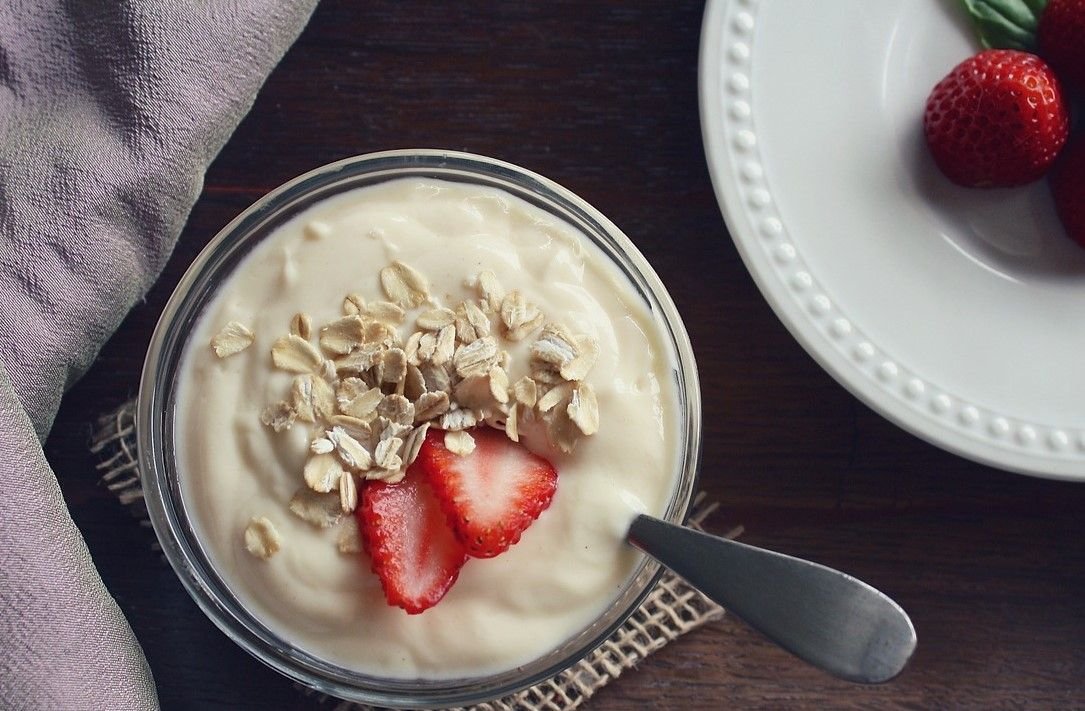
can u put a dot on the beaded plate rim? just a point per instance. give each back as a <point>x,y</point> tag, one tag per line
<point>804,305</point>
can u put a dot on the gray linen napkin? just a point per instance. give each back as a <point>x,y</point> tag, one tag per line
<point>110,113</point>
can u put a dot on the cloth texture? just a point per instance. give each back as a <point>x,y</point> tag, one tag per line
<point>110,113</point>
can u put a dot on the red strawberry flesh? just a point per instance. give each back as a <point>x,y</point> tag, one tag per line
<point>998,119</point>
<point>492,495</point>
<point>414,552</point>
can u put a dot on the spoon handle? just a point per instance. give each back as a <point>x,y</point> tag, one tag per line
<point>826,617</point>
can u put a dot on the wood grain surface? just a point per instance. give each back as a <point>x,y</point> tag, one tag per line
<point>602,97</point>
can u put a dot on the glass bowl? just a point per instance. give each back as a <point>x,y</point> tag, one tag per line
<point>157,402</point>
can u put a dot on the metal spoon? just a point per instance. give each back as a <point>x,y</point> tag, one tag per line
<point>826,617</point>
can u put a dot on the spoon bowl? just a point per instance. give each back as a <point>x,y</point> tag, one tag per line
<point>823,616</point>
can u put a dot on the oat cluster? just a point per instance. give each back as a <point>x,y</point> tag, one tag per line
<point>371,383</point>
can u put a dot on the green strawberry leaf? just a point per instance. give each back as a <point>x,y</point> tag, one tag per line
<point>1006,24</point>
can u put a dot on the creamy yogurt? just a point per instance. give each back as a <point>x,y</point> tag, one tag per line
<point>502,612</point>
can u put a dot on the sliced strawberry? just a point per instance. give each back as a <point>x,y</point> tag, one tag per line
<point>492,494</point>
<point>415,553</point>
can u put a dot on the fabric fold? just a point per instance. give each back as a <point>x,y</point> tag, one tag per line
<point>64,643</point>
<point>109,116</point>
<point>110,113</point>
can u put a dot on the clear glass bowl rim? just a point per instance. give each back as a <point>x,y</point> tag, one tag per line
<point>154,422</point>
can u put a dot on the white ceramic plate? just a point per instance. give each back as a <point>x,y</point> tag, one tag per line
<point>957,314</point>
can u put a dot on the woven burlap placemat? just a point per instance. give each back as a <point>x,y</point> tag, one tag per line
<point>671,609</point>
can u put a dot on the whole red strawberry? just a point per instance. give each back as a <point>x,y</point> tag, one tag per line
<point>1061,39</point>
<point>998,119</point>
<point>1067,181</point>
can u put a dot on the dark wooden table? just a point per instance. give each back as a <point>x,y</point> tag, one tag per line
<point>602,97</point>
